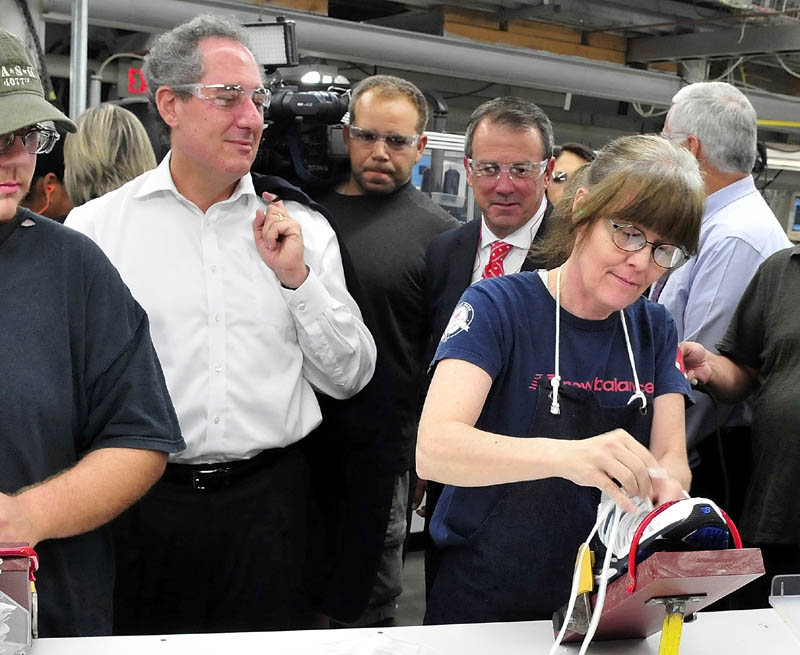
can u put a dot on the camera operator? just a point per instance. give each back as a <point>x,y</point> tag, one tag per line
<point>386,225</point>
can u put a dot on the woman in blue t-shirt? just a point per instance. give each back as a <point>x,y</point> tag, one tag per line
<point>533,411</point>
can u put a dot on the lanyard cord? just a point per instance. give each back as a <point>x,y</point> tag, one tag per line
<point>555,381</point>
<point>638,393</point>
<point>555,408</point>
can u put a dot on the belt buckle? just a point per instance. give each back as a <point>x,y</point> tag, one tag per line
<point>201,479</point>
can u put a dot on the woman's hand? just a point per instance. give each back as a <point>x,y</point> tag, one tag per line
<point>614,462</point>
<point>666,489</point>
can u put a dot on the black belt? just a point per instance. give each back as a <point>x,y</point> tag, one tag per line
<point>208,477</point>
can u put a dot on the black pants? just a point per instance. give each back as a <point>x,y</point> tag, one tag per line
<point>227,560</point>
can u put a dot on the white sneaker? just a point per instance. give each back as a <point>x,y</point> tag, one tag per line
<point>689,524</point>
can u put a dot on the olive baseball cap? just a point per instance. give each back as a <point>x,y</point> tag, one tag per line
<point>22,100</point>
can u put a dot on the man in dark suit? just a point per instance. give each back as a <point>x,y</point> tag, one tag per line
<point>508,156</point>
<point>509,164</point>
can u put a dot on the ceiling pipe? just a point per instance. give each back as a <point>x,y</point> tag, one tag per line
<point>78,58</point>
<point>713,20</point>
<point>450,57</point>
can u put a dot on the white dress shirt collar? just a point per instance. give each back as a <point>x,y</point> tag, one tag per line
<point>728,194</point>
<point>161,180</point>
<point>520,241</point>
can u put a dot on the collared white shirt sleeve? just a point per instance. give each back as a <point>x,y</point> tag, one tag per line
<point>338,352</point>
<point>242,356</point>
<point>520,241</point>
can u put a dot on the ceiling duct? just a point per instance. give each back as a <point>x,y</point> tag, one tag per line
<point>374,45</point>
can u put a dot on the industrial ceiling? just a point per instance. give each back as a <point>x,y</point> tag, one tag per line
<point>754,44</point>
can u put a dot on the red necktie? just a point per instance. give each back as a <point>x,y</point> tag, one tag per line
<point>498,253</point>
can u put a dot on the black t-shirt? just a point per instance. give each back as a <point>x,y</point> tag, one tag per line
<point>764,334</point>
<point>78,372</point>
<point>386,236</point>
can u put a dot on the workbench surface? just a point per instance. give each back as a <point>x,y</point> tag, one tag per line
<point>732,633</point>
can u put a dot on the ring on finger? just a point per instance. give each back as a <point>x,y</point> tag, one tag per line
<point>280,217</point>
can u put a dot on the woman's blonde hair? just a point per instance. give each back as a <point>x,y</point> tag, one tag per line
<point>643,180</point>
<point>110,148</point>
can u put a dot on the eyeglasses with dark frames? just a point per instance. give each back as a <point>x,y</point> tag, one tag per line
<point>393,141</point>
<point>490,171</point>
<point>631,239</point>
<point>37,139</point>
<point>226,96</point>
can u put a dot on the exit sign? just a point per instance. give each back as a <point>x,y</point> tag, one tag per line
<point>130,79</point>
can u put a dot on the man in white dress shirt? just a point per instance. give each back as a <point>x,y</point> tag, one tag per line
<point>250,318</point>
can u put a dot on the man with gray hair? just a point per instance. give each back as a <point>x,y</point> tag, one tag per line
<point>250,318</point>
<point>717,123</point>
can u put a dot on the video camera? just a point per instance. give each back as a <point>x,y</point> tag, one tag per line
<point>302,140</point>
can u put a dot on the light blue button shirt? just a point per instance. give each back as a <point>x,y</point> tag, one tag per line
<point>739,231</point>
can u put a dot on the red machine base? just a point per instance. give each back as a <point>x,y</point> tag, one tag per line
<point>706,576</point>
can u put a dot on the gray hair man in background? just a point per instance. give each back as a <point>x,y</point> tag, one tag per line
<point>717,123</point>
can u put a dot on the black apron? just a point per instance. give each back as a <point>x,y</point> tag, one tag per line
<point>518,565</point>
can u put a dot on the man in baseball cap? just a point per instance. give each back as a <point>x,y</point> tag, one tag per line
<point>22,102</point>
<point>86,421</point>
<point>24,113</point>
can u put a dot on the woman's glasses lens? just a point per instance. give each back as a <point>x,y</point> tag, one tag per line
<point>630,239</point>
<point>668,256</point>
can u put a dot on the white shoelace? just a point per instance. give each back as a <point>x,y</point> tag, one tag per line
<point>628,524</point>
<point>615,529</point>
<point>603,513</point>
